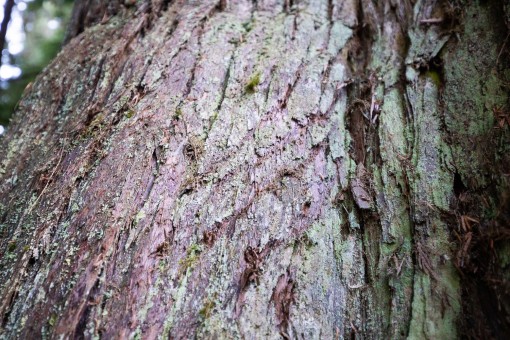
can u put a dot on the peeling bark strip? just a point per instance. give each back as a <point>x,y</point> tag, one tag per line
<point>251,169</point>
<point>283,297</point>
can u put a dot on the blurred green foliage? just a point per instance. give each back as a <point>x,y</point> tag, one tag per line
<point>44,25</point>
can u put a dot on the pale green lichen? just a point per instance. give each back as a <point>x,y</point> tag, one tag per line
<point>139,216</point>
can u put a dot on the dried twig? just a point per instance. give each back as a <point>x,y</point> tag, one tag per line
<point>49,180</point>
<point>432,21</point>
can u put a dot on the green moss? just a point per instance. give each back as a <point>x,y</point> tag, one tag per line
<point>206,310</point>
<point>130,113</point>
<point>435,77</point>
<point>503,251</point>
<point>214,117</point>
<point>162,265</point>
<point>248,26</point>
<point>178,114</point>
<point>253,83</point>
<point>53,320</point>
<point>11,247</point>
<point>192,256</point>
<point>305,240</point>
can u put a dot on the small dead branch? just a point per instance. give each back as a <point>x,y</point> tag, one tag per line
<point>465,222</point>
<point>424,262</point>
<point>49,180</point>
<point>431,21</point>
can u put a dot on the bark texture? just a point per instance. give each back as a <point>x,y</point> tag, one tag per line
<point>262,169</point>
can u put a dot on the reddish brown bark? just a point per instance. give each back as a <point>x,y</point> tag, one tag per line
<point>247,169</point>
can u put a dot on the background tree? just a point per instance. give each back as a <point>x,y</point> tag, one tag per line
<point>36,30</point>
<point>304,169</point>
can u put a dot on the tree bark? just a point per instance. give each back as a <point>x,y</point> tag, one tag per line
<point>262,169</point>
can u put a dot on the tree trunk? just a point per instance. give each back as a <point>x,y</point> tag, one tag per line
<point>263,169</point>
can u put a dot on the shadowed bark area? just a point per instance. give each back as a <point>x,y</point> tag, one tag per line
<point>262,169</point>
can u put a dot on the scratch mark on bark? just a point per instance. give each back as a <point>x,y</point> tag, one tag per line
<point>150,186</point>
<point>225,82</point>
<point>291,86</point>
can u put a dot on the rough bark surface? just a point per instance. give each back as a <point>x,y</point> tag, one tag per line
<point>262,169</point>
